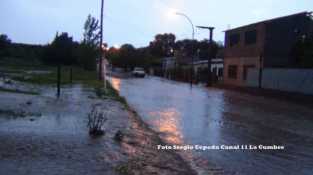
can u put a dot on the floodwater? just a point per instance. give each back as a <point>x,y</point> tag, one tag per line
<point>52,137</point>
<point>201,116</point>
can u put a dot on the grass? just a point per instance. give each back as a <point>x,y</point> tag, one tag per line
<point>18,91</point>
<point>18,63</point>
<point>110,92</point>
<point>79,75</point>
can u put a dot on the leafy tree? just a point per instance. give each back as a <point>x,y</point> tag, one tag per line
<point>303,52</point>
<point>91,31</point>
<point>201,49</point>
<point>4,44</point>
<point>162,45</point>
<point>190,47</point>
<point>143,57</point>
<point>113,56</point>
<point>87,56</point>
<point>127,56</point>
<point>88,50</point>
<point>60,51</point>
<point>206,49</point>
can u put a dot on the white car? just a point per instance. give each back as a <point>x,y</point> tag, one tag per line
<point>139,72</point>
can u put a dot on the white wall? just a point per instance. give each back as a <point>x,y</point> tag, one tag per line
<point>292,80</point>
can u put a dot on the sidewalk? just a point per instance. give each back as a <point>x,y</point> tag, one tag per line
<point>297,98</point>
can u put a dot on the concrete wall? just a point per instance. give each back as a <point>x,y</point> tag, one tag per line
<point>292,80</point>
<point>240,62</point>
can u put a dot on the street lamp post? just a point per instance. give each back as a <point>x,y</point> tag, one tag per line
<point>192,46</point>
<point>209,82</point>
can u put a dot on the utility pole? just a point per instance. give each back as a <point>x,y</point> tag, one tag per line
<point>209,82</point>
<point>101,42</point>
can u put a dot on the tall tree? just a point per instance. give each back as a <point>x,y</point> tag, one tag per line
<point>91,31</point>
<point>89,48</point>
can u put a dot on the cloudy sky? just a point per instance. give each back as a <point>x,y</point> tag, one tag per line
<point>135,21</point>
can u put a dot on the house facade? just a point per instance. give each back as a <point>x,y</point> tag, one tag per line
<point>264,44</point>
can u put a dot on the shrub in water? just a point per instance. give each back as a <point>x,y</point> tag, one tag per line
<point>96,120</point>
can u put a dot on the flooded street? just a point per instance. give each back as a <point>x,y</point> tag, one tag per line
<point>201,116</point>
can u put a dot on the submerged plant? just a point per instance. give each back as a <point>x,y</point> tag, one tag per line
<point>96,119</point>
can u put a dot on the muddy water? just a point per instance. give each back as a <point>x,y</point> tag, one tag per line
<point>56,140</point>
<point>219,117</point>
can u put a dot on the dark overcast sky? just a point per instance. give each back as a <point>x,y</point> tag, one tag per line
<point>135,21</point>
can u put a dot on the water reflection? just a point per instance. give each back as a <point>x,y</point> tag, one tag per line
<point>218,117</point>
<point>116,83</point>
<point>213,124</point>
<point>167,122</point>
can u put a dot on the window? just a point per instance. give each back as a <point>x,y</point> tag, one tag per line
<point>232,71</point>
<point>250,37</point>
<point>234,39</point>
<point>245,70</point>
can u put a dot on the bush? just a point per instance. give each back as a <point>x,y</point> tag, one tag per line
<point>96,119</point>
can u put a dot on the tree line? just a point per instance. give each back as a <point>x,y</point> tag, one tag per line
<point>62,50</point>
<point>163,45</point>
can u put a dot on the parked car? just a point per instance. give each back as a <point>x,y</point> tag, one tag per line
<point>139,72</point>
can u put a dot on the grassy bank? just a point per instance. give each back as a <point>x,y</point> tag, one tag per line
<point>79,76</point>
<point>18,91</point>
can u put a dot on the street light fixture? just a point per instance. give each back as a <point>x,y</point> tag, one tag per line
<point>192,46</point>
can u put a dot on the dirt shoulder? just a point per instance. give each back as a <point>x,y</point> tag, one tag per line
<point>145,158</point>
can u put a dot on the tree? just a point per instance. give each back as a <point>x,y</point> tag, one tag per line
<point>4,45</point>
<point>88,49</point>
<point>91,31</point>
<point>143,57</point>
<point>113,56</point>
<point>190,47</point>
<point>205,51</point>
<point>162,45</point>
<point>60,51</point>
<point>303,52</point>
<point>198,48</point>
<point>127,56</point>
